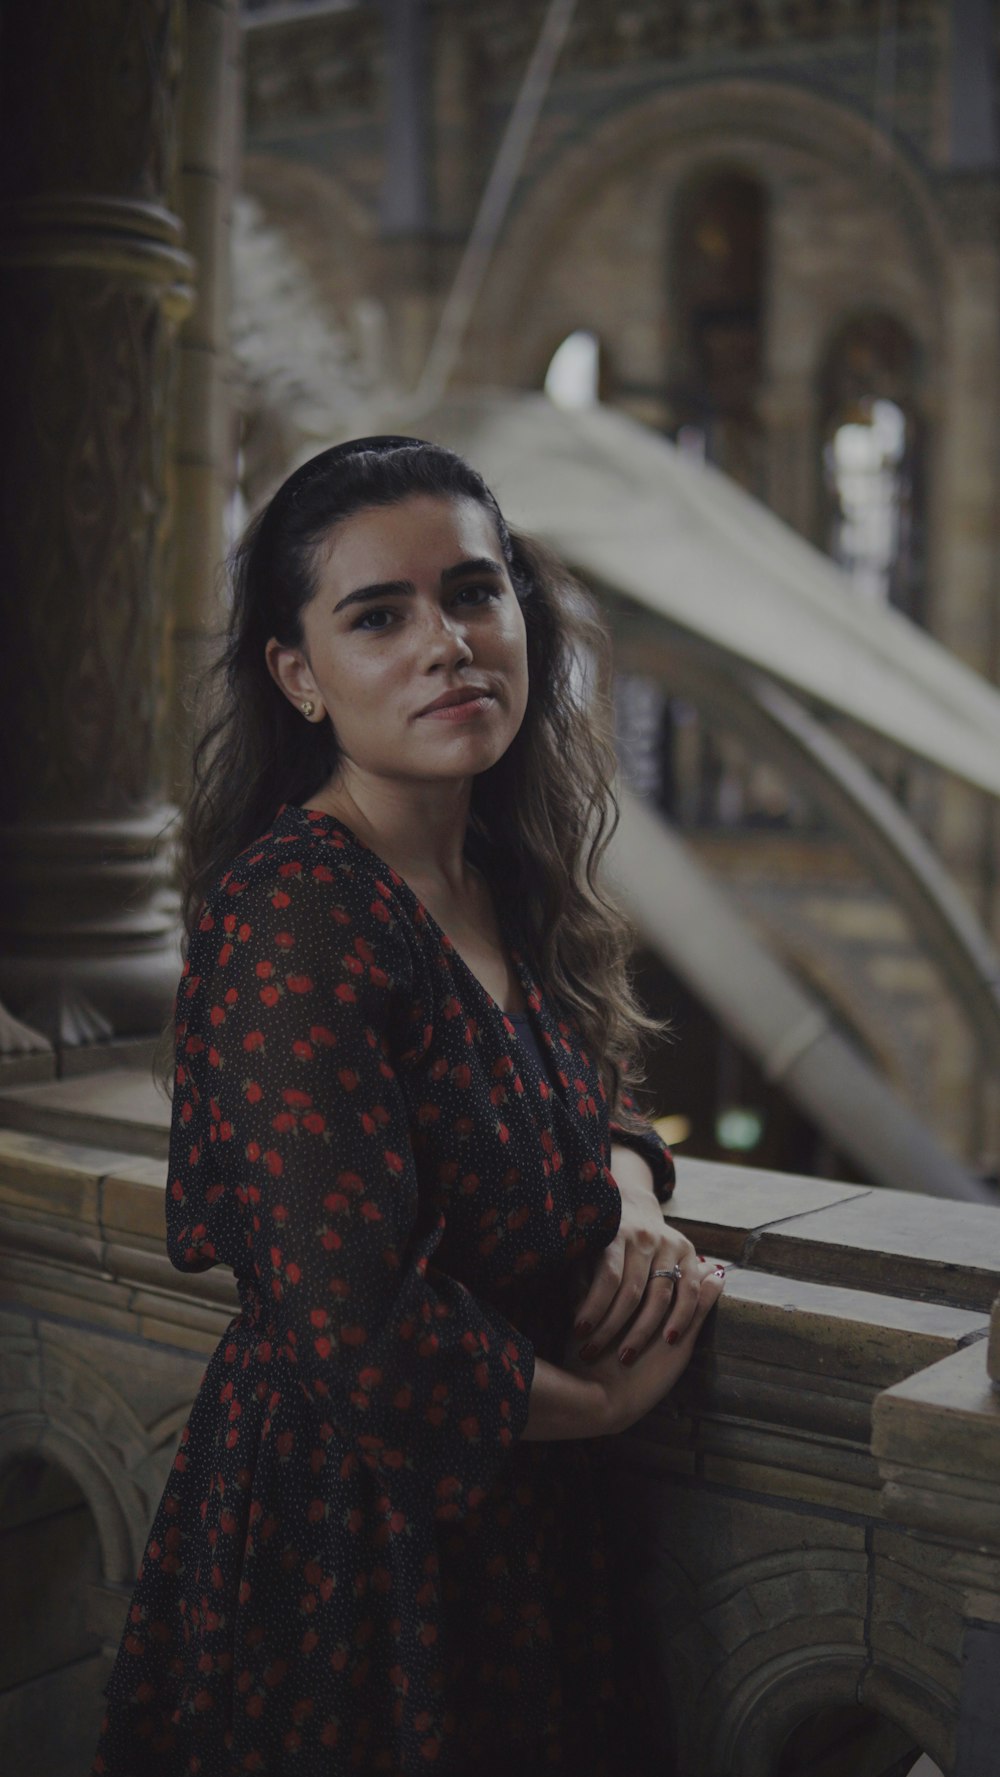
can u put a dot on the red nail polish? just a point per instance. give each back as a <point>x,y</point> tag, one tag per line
<point>626,1355</point>
<point>583,1327</point>
<point>587,1352</point>
<point>701,1258</point>
<point>672,1336</point>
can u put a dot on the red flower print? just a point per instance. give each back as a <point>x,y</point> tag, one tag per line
<point>399,1202</point>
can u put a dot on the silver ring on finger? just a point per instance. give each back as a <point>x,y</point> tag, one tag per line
<point>676,1273</point>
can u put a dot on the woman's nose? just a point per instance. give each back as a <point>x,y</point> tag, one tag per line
<point>446,637</point>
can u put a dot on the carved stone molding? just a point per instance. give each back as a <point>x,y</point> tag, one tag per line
<point>301,66</point>
<point>89,924</point>
<point>18,1038</point>
<point>313,68</point>
<point>604,37</point>
<point>67,1017</point>
<point>134,242</point>
<point>57,1402</point>
<point>53,1405</point>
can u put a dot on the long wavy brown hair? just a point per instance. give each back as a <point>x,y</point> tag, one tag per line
<point>540,819</point>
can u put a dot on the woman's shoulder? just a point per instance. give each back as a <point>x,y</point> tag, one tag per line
<point>297,847</point>
<point>306,871</point>
<point>303,925</point>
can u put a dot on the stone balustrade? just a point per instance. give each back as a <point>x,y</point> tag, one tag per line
<point>813,1518</point>
<point>810,1524</point>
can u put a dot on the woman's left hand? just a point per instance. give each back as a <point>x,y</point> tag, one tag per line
<point>621,1282</point>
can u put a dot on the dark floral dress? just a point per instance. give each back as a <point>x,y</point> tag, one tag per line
<point>357,1564</point>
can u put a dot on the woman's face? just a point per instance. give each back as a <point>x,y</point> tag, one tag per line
<point>412,601</point>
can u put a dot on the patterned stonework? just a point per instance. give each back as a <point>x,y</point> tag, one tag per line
<point>84,506</point>
<point>323,67</point>
<point>101,115</point>
<point>306,67</point>
<point>604,37</point>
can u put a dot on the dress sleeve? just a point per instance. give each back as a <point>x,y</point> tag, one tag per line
<point>650,1145</point>
<point>290,1122</point>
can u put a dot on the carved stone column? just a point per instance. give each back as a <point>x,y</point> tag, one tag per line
<point>205,448</point>
<point>95,283</point>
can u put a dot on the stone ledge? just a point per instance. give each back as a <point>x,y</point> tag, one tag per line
<point>945,1420</point>
<point>936,1437</point>
<point>766,1444</point>
<point>896,1243</point>
<point>170,1316</point>
<point>725,1206</point>
<point>778,1398</point>
<point>829,1332</point>
<point>118,1107</point>
<point>85,1224</point>
<point>102,1140</point>
<point>53,1181</point>
<point>82,1236</point>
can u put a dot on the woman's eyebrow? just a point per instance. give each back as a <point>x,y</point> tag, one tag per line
<point>478,564</point>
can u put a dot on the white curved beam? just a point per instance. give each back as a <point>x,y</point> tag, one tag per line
<point>687,919</point>
<point>886,839</point>
<point>688,544</point>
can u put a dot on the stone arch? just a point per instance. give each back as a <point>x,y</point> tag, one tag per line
<point>769,1638</point>
<point>54,1664</point>
<point>784,1693</point>
<point>54,1405</point>
<point>854,314</point>
<point>842,321</point>
<point>756,124</point>
<point>717,1614</point>
<point>317,210</point>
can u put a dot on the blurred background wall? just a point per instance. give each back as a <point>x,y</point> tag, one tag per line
<point>769,233</point>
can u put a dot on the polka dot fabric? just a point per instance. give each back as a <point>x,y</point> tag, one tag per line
<point>357,1564</point>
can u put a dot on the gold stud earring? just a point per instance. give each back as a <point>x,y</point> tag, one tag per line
<point>307,707</point>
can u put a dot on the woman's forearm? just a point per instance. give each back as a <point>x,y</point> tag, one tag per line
<point>562,1405</point>
<point>631,1167</point>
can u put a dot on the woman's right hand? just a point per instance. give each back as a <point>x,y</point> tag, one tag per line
<point>631,1391</point>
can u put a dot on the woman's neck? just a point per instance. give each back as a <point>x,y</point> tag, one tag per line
<point>423,836</point>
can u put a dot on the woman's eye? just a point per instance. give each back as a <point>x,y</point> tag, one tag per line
<point>488,590</point>
<point>485,590</point>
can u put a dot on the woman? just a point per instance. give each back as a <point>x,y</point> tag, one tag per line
<point>404,1015</point>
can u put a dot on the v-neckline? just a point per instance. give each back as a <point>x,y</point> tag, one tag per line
<point>534,998</point>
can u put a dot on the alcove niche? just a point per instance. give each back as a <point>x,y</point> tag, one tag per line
<point>51,1664</point>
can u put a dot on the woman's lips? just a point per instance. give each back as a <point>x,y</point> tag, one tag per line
<point>461,712</point>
